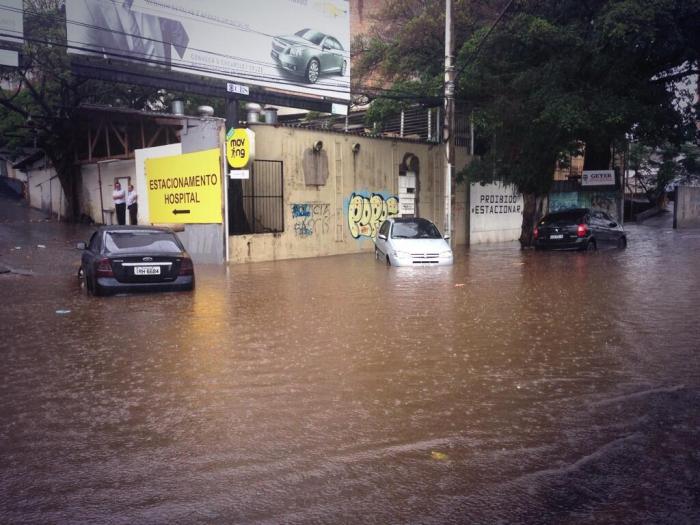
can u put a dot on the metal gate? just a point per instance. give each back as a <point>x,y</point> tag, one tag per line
<point>256,205</point>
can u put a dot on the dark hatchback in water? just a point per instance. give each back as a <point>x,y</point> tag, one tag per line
<point>579,229</point>
<point>120,259</point>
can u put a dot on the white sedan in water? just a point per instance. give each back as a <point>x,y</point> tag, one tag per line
<point>411,242</point>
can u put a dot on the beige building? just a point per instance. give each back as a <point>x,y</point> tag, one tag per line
<point>332,190</point>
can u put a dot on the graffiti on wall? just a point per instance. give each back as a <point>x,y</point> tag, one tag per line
<point>367,211</point>
<point>311,218</point>
<point>599,200</point>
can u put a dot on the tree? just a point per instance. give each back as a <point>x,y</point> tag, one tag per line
<point>555,74</point>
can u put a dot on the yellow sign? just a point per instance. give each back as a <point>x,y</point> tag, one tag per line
<point>240,147</point>
<point>185,188</point>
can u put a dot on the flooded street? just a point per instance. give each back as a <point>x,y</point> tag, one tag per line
<point>513,387</point>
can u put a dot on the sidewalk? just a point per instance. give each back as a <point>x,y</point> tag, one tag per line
<point>33,244</point>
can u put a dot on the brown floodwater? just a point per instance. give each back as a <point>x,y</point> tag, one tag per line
<point>512,387</point>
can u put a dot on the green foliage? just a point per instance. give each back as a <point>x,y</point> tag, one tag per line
<point>553,74</point>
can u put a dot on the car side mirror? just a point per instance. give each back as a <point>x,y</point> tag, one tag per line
<point>81,246</point>
<point>446,237</point>
<point>325,47</point>
<point>382,236</point>
<point>612,224</point>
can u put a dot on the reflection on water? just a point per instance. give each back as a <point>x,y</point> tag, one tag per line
<point>512,386</point>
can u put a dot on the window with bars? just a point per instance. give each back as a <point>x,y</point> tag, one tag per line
<point>256,204</point>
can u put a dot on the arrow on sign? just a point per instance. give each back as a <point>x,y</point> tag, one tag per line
<point>176,212</point>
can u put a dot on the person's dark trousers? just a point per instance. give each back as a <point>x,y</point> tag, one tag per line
<point>133,212</point>
<point>121,213</point>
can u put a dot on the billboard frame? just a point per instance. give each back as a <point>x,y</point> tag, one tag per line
<point>129,73</point>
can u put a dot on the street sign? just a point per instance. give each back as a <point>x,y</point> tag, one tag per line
<point>240,147</point>
<point>235,88</point>
<point>339,109</point>
<point>598,178</point>
<point>185,188</point>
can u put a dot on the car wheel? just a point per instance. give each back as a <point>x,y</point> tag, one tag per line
<point>388,262</point>
<point>591,246</point>
<point>344,68</point>
<point>622,242</point>
<point>312,71</point>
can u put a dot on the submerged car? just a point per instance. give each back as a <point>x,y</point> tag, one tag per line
<point>411,242</point>
<point>309,54</point>
<point>120,259</point>
<point>578,229</point>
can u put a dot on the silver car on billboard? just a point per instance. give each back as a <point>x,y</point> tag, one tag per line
<point>309,54</point>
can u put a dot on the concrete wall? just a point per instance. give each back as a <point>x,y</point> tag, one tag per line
<point>687,211</point>
<point>45,192</point>
<point>496,213</point>
<point>328,219</point>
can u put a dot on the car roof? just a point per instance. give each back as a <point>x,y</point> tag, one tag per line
<point>409,219</point>
<point>570,211</point>
<point>129,228</point>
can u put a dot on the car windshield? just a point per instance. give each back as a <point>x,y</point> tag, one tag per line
<point>311,36</point>
<point>141,242</point>
<point>415,230</point>
<point>563,217</point>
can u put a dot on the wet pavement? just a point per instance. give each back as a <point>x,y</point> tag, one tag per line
<point>513,387</point>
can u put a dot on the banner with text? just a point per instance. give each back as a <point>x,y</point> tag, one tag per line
<point>185,188</point>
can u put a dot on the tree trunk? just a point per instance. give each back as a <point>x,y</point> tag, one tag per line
<point>534,208</point>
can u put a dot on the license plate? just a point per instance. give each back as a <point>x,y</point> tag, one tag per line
<point>146,270</point>
<point>559,236</point>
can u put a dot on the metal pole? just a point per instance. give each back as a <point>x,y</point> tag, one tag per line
<point>471,133</point>
<point>449,117</point>
<point>99,178</point>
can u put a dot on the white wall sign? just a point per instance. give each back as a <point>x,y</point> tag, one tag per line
<point>239,174</point>
<point>496,213</point>
<point>298,46</point>
<point>598,178</point>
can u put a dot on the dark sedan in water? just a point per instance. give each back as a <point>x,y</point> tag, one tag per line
<point>578,229</point>
<point>120,259</point>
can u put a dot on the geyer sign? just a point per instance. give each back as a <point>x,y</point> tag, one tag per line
<point>598,178</point>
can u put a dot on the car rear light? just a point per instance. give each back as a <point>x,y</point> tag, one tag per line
<point>104,268</point>
<point>536,233</point>
<point>582,230</point>
<point>186,267</point>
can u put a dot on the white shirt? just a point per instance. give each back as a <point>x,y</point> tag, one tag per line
<point>118,196</point>
<point>131,198</point>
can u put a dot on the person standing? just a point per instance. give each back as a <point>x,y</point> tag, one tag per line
<point>119,203</point>
<point>132,204</point>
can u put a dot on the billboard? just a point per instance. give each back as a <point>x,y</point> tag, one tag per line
<point>11,21</point>
<point>298,46</point>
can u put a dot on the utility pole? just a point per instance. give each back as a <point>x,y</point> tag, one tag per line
<point>449,123</point>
